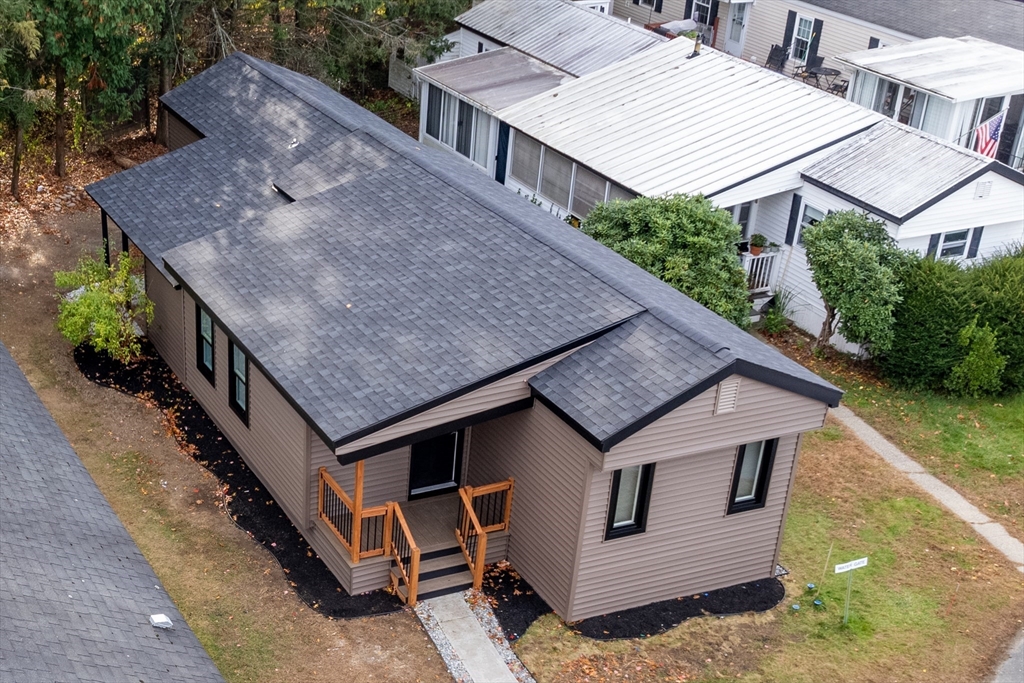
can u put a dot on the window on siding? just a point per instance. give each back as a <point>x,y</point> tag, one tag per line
<point>751,475</point>
<point>459,125</point>
<point>630,498</point>
<point>741,215</point>
<point>802,39</point>
<point>238,389</point>
<point>886,94</point>
<point>588,190</point>
<point>809,217</point>
<point>525,160</point>
<point>556,177</point>
<point>701,11</point>
<point>954,244</point>
<point>205,339</point>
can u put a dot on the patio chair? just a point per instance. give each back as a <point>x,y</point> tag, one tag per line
<point>776,58</point>
<point>839,87</point>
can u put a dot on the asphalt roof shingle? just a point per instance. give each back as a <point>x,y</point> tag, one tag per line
<point>75,591</point>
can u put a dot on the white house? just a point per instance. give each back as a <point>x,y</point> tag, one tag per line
<point>780,154</point>
<point>945,86</point>
<point>508,51</point>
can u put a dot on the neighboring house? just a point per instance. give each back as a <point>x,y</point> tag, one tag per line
<point>76,593</point>
<point>429,373</point>
<point>827,28</point>
<point>946,87</point>
<point>777,153</point>
<point>723,25</point>
<point>509,51</point>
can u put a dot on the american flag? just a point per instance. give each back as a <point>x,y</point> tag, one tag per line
<point>986,136</point>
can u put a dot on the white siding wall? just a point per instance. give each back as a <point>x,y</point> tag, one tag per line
<point>671,10</point>
<point>839,34</point>
<point>994,239</point>
<point>1004,204</point>
<point>469,43</point>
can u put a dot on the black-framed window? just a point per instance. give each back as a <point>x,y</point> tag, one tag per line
<point>752,475</point>
<point>205,340</point>
<point>630,499</point>
<point>238,382</point>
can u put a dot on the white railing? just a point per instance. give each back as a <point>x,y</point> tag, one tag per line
<point>760,270</point>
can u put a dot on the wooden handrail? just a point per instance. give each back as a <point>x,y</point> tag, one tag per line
<point>353,542</point>
<point>410,575</point>
<point>470,534</point>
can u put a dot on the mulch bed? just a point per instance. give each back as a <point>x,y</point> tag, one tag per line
<point>513,601</point>
<point>248,502</point>
<point>658,617</point>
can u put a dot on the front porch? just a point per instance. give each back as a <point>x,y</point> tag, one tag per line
<point>761,273</point>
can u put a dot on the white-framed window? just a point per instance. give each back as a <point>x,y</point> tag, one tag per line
<point>802,33</point>
<point>810,216</point>
<point>648,3</point>
<point>742,215</point>
<point>458,125</point>
<point>954,244</point>
<point>701,11</point>
<point>929,113</point>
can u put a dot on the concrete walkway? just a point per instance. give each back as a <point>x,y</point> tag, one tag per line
<point>1012,670</point>
<point>991,531</point>
<point>466,637</point>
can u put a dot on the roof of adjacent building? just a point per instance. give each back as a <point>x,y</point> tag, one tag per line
<point>495,79</point>
<point>1000,21</point>
<point>567,36</point>
<point>959,69</point>
<point>661,123</point>
<point>896,172</point>
<point>75,591</point>
<point>399,278</point>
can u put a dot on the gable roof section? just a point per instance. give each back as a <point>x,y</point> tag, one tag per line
<point>959,69</point>
<point>399,278</point>
<point>569,37</point>
<point>660,123</point>
<point>999,21</point>
<point>75,589</point>
<point>495,79</point>
<point>896,172</point>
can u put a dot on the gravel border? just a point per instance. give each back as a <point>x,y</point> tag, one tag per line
<point>450,658</point>
<point>481,609</point>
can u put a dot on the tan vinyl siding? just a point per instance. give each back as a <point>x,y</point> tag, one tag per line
<point>762,412</point>
<point>385,478</point>
<point>551,465</point>
<point>839,34</point>
<point>167,329</point>
<point>275,444</point>
<point>502,392</point>
<point>178,132</point>
<point>370,574</point>
<point>690,544</point>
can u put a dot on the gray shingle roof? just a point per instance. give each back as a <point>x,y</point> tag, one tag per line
<point>999,21</point>
<point>401,277</point>
<point>75,592</point>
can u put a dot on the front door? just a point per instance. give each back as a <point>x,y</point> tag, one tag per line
<point>736,30</point>
<point>436,465</point>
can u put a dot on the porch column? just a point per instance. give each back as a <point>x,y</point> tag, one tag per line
<point>106,236</point>
<point>357,511</point>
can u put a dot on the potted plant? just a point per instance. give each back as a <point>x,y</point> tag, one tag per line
<point>757,243</point>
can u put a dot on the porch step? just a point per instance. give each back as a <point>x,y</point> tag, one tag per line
<point>442,571</point>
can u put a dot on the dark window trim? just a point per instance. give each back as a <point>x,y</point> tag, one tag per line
<point>761,493</point>
<point>643,504</point>
<point>242,413</point>
<point>209,373</point>
<point>460,445</point>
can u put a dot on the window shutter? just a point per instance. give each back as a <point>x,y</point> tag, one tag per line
<point>728,395</point>
<point>972,251</point>
<point>657,6</point>
<point>713,14</point>
<point>787,38</point>
<point>812,49</point>
<point>636,2</point>
<point>794,216</point>
<point>688,11</point>
<point>873,43</point>
<point>933,244</point>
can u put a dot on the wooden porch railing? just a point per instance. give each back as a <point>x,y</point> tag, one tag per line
<point>368,538</point>
<point>404,551</point>
<point>760,270</point>
<point>482,510</point>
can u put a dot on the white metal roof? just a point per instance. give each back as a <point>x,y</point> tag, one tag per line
<point>661,123</point>
<point>959,69</point>
<point>567,36</point>
<point>894,169</point>
<point>496,79</point>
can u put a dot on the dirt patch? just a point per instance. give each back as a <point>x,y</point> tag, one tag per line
<point>234,593</point>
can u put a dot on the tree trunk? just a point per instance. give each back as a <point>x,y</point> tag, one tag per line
<point>828,327</point>
<point>19,145</point>
<point>163,87</point>
<point>60,164</point>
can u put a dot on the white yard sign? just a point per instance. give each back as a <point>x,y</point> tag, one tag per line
<point>855,564</point>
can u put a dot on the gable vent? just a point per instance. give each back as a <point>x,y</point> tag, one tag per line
<point>982,189</point>
<point>728,394</point>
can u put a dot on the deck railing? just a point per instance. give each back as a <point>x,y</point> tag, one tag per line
<point>482,510</point>
<point>492,504</point>
<point>760,270</point>
<point>404,551</point>
<point>338,511</point>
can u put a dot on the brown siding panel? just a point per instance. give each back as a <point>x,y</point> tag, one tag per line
<point>275,445</point>
<point>166,331</point>
<point>178,132</point>
<point>690,544</point>
<point>551,465</point>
